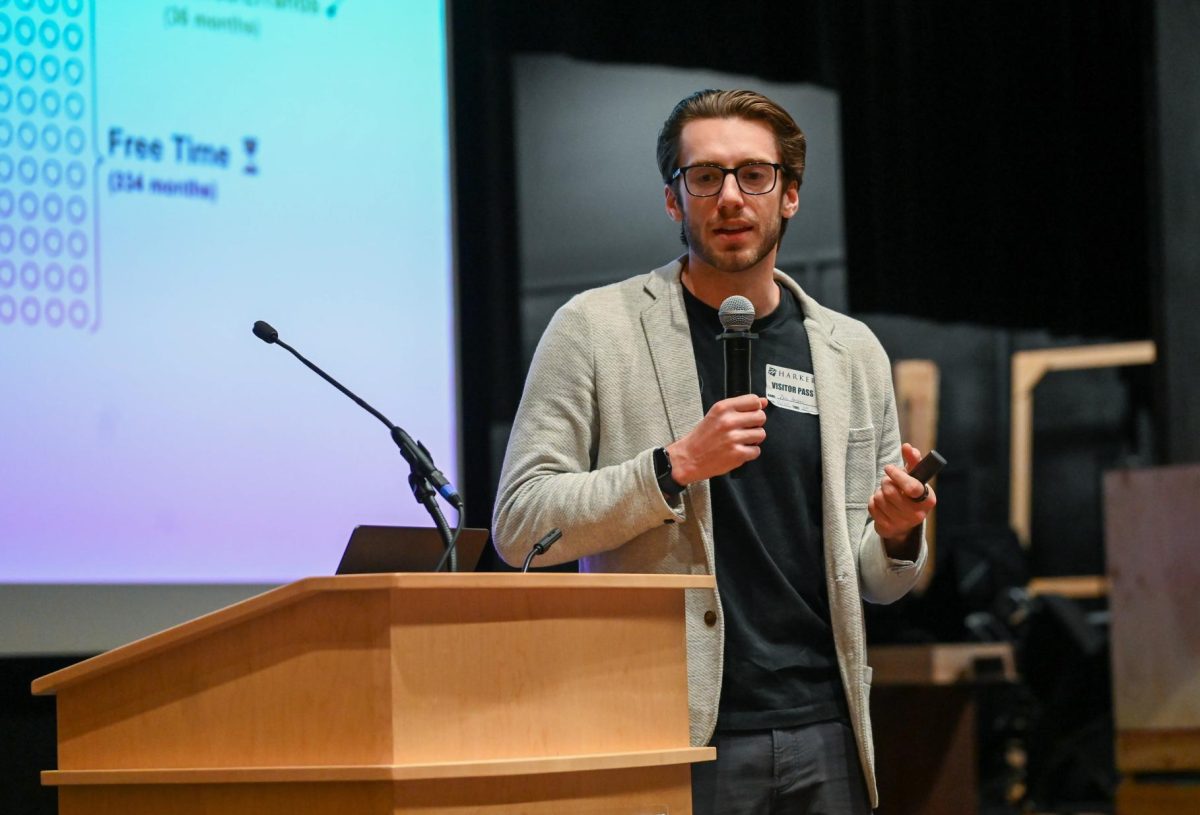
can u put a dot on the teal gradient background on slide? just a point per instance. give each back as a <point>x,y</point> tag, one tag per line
<point>244,160</point>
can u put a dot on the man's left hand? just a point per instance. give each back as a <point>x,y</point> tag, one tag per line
<point>898,508</point>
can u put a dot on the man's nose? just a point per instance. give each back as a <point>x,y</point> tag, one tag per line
<point>731,193</point>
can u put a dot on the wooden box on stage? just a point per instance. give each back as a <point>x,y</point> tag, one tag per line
<point>1152,518</point>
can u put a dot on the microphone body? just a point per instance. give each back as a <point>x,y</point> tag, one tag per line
<point>737,315</point>
<point>738,346</point>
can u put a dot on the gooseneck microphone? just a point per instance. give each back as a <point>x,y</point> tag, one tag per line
<point>424,471</point>
<point>737,315</point>
<point>414,452</point>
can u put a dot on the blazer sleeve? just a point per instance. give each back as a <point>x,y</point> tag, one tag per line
<point>883,579</point>
<point>550,478</point>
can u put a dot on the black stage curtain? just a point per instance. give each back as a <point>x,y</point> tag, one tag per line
<point>995,163</point>
<point>994,152</point>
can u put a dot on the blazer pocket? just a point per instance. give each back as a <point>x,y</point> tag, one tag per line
<point>860,466</point>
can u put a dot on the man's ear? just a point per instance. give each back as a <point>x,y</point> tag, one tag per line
<point>791,200</point>
<point>673,209</point>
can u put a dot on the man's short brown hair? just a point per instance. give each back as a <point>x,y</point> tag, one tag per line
<point>741,104</point>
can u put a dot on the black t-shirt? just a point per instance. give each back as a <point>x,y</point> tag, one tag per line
<point>780,662</point>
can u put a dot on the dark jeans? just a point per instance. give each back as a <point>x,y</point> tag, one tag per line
<point>808,770</point>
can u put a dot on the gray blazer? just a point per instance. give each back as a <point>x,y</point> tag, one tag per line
<point>613,378</point>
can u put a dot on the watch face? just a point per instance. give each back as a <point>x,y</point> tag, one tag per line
<point>662,473</point>
<point>662,462</point>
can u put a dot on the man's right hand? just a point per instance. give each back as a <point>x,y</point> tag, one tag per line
<point>726,438</point>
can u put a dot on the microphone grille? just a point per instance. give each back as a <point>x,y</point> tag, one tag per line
<point>265,332</point>
<point>736,313</point>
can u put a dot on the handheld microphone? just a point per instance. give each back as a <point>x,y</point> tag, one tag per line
<point>540,548</point>
<point>737,315</point>
<point>414,452</point>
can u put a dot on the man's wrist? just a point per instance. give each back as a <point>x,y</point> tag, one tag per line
<point>665,475</point>
<point>905,547</point>
<point>681,463</point>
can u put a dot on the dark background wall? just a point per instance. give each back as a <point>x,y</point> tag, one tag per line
<point>995,162</point>
<point>27,735</point>
<point>1173,134</point>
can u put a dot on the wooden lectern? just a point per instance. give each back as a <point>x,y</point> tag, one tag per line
<point>397,693</point>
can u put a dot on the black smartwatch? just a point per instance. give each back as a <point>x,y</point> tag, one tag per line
<point>662,472</point>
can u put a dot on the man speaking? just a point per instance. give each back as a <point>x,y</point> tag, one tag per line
<point>795,495</point>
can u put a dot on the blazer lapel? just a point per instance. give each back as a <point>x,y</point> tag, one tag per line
<point>665,324</point>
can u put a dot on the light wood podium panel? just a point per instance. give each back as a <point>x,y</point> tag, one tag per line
<point>630,791</point>
<point>393,693</point>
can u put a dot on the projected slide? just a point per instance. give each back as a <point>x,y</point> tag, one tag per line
<point>169,173</point>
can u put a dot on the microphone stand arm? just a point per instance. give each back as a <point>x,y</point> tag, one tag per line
<point>423,475</point>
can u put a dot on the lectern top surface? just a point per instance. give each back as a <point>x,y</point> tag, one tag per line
<point>400,581</point>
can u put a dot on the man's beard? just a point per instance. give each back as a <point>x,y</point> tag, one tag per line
<point>737,261</point>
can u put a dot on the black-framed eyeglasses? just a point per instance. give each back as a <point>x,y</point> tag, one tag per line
<point>706,180</point>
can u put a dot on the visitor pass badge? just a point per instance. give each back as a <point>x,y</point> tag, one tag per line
<point>791,389</point>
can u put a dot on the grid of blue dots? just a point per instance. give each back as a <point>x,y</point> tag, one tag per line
<point>46,228</point>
